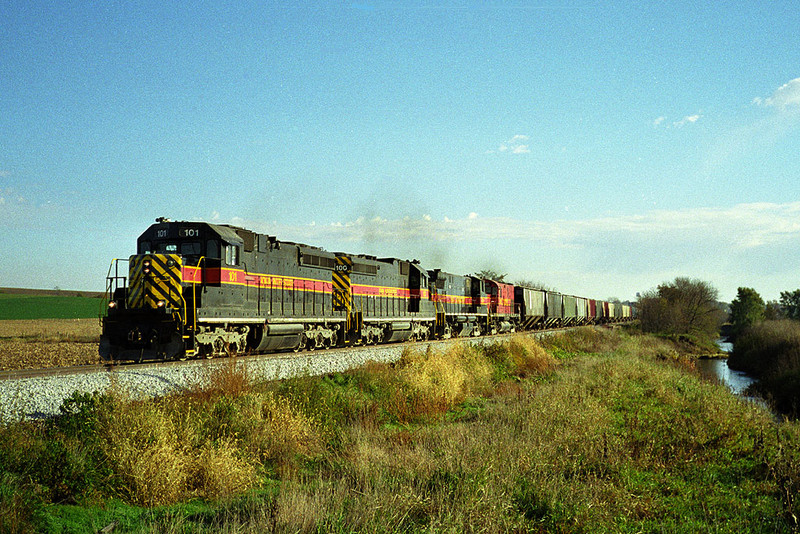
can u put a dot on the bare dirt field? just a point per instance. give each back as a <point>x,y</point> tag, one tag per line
<point>42,343</point>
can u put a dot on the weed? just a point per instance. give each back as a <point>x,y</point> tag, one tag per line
<point>219,471</point>
<point>228,378</point>
<point>20,505</point>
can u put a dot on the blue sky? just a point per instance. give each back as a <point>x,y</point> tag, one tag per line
<point>598,148</point>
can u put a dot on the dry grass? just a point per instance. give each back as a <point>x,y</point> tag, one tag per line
<point>148,449</point>
<point>220,472</point>
<point>227,378</point>
<point>529,357</point>
<point>212,443</point>
<point>608,443</point>
<point>35,355</point>
<point>450,375</point>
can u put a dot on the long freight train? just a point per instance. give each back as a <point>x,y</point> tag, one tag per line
<point>195,289</point>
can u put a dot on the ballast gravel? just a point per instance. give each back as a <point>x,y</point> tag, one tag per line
<point>38,398</point>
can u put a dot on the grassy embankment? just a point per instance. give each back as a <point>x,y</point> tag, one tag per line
<point>770,351</point>
<point>598,431</point>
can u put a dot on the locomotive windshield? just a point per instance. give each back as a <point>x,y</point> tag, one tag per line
<point>184,248</point>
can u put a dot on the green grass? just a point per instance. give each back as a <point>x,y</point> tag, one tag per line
<point>616,435</point>
<point>16,307</point>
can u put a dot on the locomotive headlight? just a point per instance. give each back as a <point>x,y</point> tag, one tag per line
<point>112,304</point>
<point>146,266</point>
<point>161,303</point>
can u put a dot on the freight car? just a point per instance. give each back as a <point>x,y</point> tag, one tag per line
<point>195,289</point>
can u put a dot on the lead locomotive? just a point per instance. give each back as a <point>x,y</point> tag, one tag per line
<point>198,289</point>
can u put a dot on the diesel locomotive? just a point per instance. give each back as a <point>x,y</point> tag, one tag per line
<point>195,289</point>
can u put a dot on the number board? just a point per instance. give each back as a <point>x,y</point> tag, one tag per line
<point>189,232</point>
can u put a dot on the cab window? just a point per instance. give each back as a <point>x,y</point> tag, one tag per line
<point>191,248</point>
<point>232,254</point>
<point>212,249</point>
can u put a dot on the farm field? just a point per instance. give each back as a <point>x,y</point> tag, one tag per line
<point>43,343</point>
<point>48,328</point>
<point>44,304</point>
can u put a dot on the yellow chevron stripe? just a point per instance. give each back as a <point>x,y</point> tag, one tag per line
<point>342,291</point>
<point>154,278</point>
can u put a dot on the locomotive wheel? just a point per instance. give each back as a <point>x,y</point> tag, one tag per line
<point>219,348</point>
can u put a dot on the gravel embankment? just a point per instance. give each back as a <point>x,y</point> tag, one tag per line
<point>33,398</point>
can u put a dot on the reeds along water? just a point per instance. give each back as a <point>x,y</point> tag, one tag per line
<point>770,351</point>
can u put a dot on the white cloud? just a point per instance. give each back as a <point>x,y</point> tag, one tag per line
<point>786,96</point>
<point>516,145</point>
<point>689,119</point>
<point>740,227</point>
<point>748,244</point>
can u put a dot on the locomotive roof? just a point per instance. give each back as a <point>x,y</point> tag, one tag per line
<point>228,233</point>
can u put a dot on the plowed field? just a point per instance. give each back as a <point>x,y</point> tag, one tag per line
<point>42,343</point>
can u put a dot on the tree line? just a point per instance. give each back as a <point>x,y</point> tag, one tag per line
<point>765,335</point>
<point>748,308</point>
